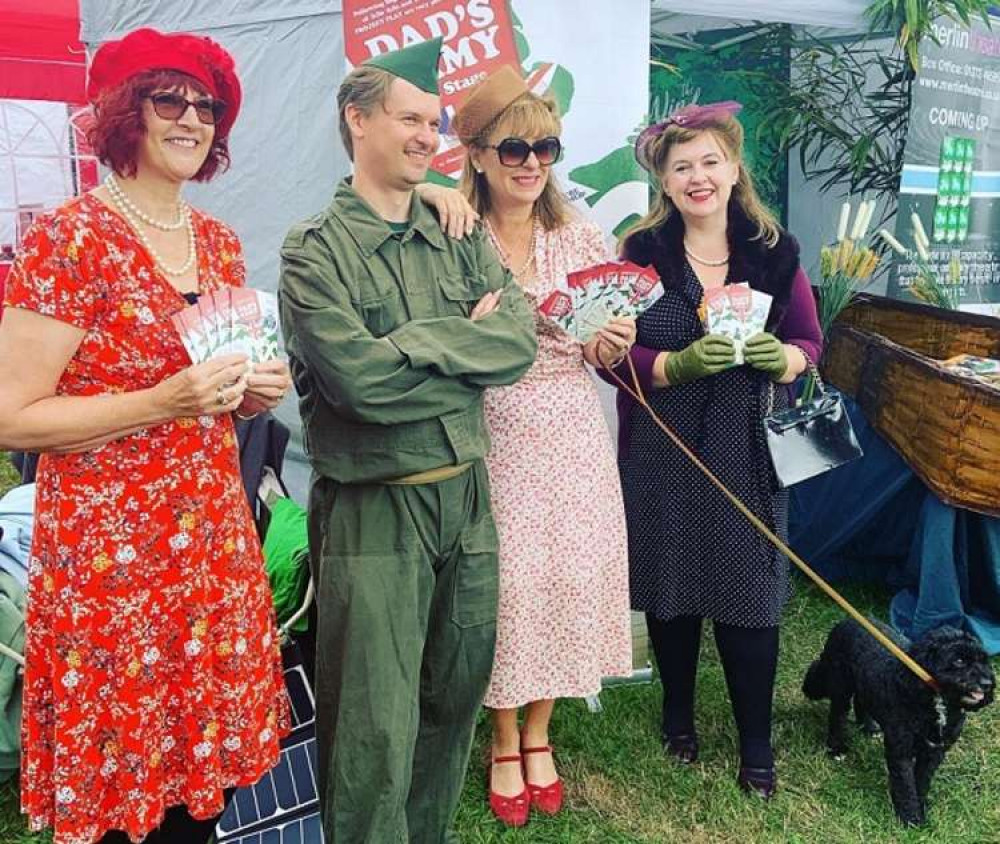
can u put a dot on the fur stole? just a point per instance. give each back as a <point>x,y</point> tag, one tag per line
<point>770,270</point>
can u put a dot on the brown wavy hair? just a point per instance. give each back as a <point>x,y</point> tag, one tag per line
<point>529,116</point>
<point>728,132</point>
<point>117,127</point>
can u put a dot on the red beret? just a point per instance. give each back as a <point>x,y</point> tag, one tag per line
<point>147,49</point>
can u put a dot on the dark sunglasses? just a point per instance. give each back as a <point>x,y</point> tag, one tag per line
<point>513,152</point>
<point>170,106</point>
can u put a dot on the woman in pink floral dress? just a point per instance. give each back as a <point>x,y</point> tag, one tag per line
<point>563,620</point>
<point>153,680</point>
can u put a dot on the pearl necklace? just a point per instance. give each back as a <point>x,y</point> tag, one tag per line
<point>136,226</point>
<point>703,261</point>
<point>122,198</point>
<point>504,254</point>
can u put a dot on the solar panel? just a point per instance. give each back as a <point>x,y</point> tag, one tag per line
<point>283,808</point>
<point>300,695</point>
<point>304,830</point>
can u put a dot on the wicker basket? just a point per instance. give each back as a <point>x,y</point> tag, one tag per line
<point>946,426</point>
<point>933,332</point>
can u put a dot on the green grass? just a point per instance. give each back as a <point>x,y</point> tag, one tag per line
<point>8,474</point>
<point>621,789</point>
<point>12,826</point>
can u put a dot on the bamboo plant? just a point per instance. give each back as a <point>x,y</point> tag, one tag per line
<point>845,107</point>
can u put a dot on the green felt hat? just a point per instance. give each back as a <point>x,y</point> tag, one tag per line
<point>417,64</point>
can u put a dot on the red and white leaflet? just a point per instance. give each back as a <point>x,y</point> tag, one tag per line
<point>559,307</point>
<point>222,299</point>
<point>600,293</point>
<point>644,284</point>
<point>210,320</point>
<point>579,279</point>
<point>738,312</point>
<point>244,320</point>
<point>267,345</point>
<point>740,300</point>
<point>557,304</point>
<point>195,334</point>
<point>189,344</point>
<point>717,300</point>
<point>591,317</point>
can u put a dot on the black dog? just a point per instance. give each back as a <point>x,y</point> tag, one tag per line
<point>919,723</point>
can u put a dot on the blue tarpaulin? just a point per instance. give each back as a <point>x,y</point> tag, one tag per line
<point>875,520</point>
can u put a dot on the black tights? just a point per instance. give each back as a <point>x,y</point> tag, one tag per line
<point>749,660</point>
<point>178,827</point>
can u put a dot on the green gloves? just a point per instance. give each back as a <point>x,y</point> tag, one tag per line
<point>706,356</point>
<point>767,353</point>
<point>714,353</point>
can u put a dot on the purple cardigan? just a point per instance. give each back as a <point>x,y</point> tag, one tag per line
<point>799,326</point>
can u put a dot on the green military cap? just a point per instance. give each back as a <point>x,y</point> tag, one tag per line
<point>417,64</point>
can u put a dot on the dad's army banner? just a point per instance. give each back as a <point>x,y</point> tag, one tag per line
<point>951,172</point>
<point>602,94</point>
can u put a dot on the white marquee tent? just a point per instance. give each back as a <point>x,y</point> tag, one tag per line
<point>286,150</point>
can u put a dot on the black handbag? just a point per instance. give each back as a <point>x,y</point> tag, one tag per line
<point>811,438</point>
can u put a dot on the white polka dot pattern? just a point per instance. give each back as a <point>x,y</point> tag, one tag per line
<point>690,551</point>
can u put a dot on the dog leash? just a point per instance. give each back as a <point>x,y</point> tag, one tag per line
<point>639,397</point>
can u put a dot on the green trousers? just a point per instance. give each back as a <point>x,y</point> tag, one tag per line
<point>406,580</point>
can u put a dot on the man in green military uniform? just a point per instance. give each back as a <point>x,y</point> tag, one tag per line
<point>393,331</point>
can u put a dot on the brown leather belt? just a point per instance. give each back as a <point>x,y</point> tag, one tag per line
<point>431,476</point>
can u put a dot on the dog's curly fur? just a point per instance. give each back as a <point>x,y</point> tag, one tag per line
<point>919,723</point>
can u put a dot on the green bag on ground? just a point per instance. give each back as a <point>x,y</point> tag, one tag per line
<point>286,558</point>
<point>12,601</point>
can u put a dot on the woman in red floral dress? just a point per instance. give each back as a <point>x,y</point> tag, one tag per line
<point>153,680</point>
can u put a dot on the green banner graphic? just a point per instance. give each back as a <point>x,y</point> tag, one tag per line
<point>951,170</point>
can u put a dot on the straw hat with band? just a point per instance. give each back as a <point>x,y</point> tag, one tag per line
<point>486,102</point>
<point>148,49</point>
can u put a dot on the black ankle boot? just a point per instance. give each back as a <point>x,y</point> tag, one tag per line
<point>760,781</point>
<point>684,748</point>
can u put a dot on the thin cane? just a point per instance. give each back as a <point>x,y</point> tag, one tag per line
<point>638,396</point>
<point>10,653</point>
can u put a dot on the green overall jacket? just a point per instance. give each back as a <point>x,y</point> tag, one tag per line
<point>389,368</point>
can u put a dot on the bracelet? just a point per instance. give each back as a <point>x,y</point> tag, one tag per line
<point>239,415</point>
<point>666,361</point>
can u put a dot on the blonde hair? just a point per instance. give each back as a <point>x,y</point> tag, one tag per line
<point>529,116</point>
<point>364,88</point>
<point>728,132</point>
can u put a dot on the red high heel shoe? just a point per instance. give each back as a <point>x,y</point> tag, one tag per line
<point>548,799</point>
<point>510,811</point>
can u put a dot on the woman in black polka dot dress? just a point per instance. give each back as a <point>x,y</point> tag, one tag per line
<point>693,556</point>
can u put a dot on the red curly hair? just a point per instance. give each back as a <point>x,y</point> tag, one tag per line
<point>117,126</point>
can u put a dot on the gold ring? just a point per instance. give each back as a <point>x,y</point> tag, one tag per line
<point>220,396</point>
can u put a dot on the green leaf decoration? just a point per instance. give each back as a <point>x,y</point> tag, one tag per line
<point>436,178</point>
<point>626,224</point>
<point>614,169</point>
<point>561,87</point>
